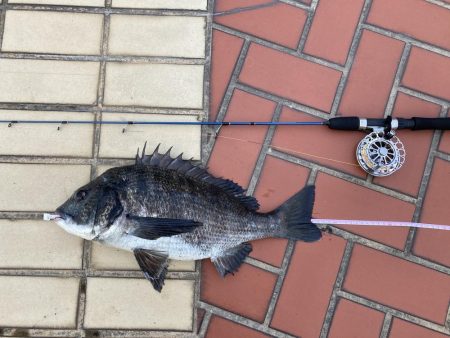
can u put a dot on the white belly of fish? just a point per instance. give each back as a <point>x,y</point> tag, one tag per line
<point>174,246</point>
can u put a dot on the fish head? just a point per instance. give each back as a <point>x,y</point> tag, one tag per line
<point>91,210</point>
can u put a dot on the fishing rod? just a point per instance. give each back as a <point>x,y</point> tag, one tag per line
<point>379,153</point>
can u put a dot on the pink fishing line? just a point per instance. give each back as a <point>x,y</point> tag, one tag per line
<point>381,223</point>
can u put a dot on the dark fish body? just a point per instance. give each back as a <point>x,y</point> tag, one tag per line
<point>154,192</point>
<point>165,207</point>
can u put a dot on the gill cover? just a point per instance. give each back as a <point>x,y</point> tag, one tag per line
<point>109,208</point>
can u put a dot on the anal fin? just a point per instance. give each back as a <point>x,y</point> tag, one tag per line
<point>154,265</point>
<point>232,259</point>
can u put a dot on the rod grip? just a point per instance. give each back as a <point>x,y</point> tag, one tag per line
<point>344,123</point>
<point>438,123</point>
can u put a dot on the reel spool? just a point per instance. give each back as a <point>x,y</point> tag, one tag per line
<point>380,156</point>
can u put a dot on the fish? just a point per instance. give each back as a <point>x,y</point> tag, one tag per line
<point>165,207</point>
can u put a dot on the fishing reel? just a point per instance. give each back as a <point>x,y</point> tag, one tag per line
<point>381,153</point>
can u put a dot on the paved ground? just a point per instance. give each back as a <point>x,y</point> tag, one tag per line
<point>309,60</point>
<point>91,60</point>
<point>292,60</point>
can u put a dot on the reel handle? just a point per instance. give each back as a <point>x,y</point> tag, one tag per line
<point>415,123</point>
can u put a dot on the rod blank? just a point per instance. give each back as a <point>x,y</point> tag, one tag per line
<point>183,123</point>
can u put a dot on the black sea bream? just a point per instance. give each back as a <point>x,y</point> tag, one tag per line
<point>163,207</point>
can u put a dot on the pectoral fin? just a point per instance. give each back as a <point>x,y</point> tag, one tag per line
<point>154,265</point>
<point>153,227</point>
<point>232,259</point>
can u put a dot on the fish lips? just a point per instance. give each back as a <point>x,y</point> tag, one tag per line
<point>61,215</point>
<point>65,221</point>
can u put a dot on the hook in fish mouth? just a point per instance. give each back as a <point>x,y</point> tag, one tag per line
<point>54,217</point>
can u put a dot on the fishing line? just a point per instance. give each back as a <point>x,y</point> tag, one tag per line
<point>284,149</point>
<point>380,223</point>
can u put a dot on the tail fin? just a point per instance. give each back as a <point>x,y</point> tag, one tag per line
<point>295,215</point>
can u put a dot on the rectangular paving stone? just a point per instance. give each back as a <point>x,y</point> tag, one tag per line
<point>31,244</point>
<point>344,200</point>
<point>155,85</point>
<point>221,327</point>
<point>375,65</point>
<point>183,139</point>
<point>157,36</point>
<point>108,258</point>
<point>433,244</point>
<point>52,32</point>
<point>44,139</point>
<point>331,35</point>
<point>87,3</point>
<point>350,319</point>
<point>41,302</point>
<point>428,72</point>
<point>290,77</point>
<point>225,52</point>
<point>444,144</point>
<point>45,81</point>
<point>306,291</point>
<point>167,4</point>
<point>397,283</point>
<point>39,187</point>
<point>247,293</point>
<point>129,303</point>
<point>419,19</point>
<point>402,328</point>
<point>280,23</point>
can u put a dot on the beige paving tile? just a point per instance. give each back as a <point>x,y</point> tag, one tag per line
<point>52,32</point>
<point>38,302</point>
<point>184,139</point>
<point>96,3</point>
<point>39,187</point>
<point>29,244</point>
<point>178,36</point>
<point>134,304</point>
<point>45,81</point>
<point>154,85</point>
<point>169,4</point>
<point>107,258</point>
<point>45,139</point>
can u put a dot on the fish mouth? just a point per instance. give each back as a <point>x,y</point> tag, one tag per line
<point>60,215</point>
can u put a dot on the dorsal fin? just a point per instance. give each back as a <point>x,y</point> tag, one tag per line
<point>188,168</point>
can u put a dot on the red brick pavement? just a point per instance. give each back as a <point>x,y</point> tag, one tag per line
<point>309,60</point>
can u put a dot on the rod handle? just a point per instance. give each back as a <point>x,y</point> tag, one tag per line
<point>438,123</point>
<point>344,123</point>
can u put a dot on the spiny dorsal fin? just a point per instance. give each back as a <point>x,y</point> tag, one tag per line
<point>188,168</point>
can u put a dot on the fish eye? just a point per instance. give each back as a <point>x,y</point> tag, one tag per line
<point>81,195</point>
